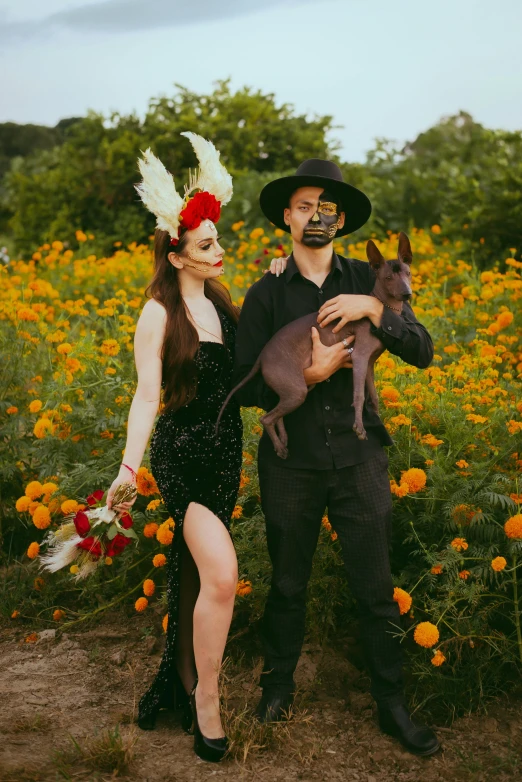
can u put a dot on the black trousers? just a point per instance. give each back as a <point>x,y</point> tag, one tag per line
<point>359,506</point>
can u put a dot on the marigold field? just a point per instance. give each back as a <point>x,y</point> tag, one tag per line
<point>455,471</point>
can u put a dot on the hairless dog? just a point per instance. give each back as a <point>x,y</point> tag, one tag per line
<point>284,358</point>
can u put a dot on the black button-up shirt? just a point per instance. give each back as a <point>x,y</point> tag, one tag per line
<point>320,434</point>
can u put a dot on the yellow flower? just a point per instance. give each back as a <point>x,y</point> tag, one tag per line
<point>11,410</point>
<point>34,490</point>
<point>58,615</point>
<point>403,599</point>
<point>41,517</point>
<point>165,623</point>
<point>153,504</point>
<point>459,544</point>
<point>74,569</point>
<point>108,560</point>
<point>513,526</point>
<point>414,478</point>
<point>141,604</point>
<point>64,348</point>
<point>435,229</point>
<point>426,634</point>
<point>22,504</point>
<point>35,406</point>
<point>33,550</point>
<point>110,347</point>
<point>69,506</point>
<point>110,371</point>
<point>498,564</point>
<point>149,587</point>
<point>243,587</point>
<point>159,560</point>
<point>256,233</point>
<point>438,658</point>
<point>80,236</point>
<point>462,464</point>
<point>42,428</point>
<point>145,482</point>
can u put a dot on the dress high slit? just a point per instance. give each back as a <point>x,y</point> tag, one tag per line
<point>190,463</point>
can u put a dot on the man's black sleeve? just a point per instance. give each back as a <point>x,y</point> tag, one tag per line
<point>254,330</point>
<point>405,337</point>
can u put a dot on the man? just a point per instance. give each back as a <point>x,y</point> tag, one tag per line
<point>327,465</point>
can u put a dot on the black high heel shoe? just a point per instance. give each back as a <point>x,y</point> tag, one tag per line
<point>178,700</point>
<point>212,750</point>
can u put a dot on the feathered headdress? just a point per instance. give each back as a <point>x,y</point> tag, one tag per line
<point>208,188</point>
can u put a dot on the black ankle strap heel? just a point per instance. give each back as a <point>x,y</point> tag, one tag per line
<point>212,750</point>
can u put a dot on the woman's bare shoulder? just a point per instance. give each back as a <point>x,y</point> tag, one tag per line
<point>153,312</point>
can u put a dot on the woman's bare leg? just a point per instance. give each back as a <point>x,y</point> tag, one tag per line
<point>213,552</point>
<point>189,591</point>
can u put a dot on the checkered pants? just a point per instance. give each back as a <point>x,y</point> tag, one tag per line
<point>359,506</point>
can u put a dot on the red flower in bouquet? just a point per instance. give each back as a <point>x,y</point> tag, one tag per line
<point>91,545</point>
<point>126,521</point>
<point>116,545</point>
<point>81,522</point>
<point>95,497</point>
<point>203,206</point>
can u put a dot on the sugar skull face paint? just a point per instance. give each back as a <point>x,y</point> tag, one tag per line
<point>314,216</point>
<point>202,251</point>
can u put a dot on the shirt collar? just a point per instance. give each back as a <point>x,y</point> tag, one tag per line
<point>292,270</point>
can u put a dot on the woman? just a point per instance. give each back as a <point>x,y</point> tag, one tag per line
<point>184,344</point>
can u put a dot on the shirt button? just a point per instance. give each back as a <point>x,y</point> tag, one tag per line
<point>389,328</point>
<point>327,407</point>
<point>329,431</point>
<point>327,380</point>
<point>327,445</point>
<point>320,291</point>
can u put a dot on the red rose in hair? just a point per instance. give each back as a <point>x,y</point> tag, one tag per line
<point>126,521</point>
<point>81,522</point>
<point>95,497</point>
<point>116,545</point>
<point>91,545</point>
<point>203,206</point>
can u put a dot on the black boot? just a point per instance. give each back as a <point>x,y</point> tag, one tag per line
<point>274,707</point>
<point>212,750</point>
<point>418,739</point>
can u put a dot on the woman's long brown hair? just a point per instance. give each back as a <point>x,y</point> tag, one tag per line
<point>181,341</point>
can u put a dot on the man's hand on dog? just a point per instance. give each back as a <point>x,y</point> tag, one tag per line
<point>326,360</point>
<point>349,307</point>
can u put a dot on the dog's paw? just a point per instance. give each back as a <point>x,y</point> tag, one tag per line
<point>282,453</point>
<point>360,431</point>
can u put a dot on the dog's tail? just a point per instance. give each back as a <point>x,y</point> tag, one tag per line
<point>253,371</point>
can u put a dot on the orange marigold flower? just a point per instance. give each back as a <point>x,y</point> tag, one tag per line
<point>22,504</point>
<point>25,313</point>
<point>459,544</point>
<point>326,523</point>
<point>108,560</point>
<point>462,514</point>
<point>165,623</point>
<point>438,658</point>
<point>514,426</point>
<point>244,480</point>
<point>145,482</point>
<point>498,564</point>
<point>110,347</point>
<point>49,488</point>
<point>464,574</point>
<point>41,517</point>
<point>69,506</point>
<point>390,394</point>
<point>462,464</point>
<point>149,530</point>
<point>164,535</point>
<point>237,512</point>
<point>74,569</point>
<point>403,599</point>
<point>64,348</point>
<point>33,550</point>
<point>505,319</point>
<point>34,490</point>
<point>243,587</point>
<point>334,535</point>
<point>149,587</point>
<point>159,560</point>
<point>42,428</point>
<point>399,490</point>
<point>15,614</point>
<point>476,419</point>
<point>153,504</point>
<point>11,410</point>
<point>38,584</point>
<point>431,440</point>
<point>426,634</point>
<point>414,478</point>
<point>35,406</point>
<point>436,229</point>
<point>141,604</point>
<point>58,615</point>
<point>429,462</point>
<point>31,638</point>
<point>513,526</point>
<point>436,570</point>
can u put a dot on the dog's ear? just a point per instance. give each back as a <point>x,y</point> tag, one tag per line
<point>405,254</point>
<point>374,255</point>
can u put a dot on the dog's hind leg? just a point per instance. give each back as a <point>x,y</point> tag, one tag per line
<point>290,398</point>
<point>281,431</point>
<point>370,386</point>
<point>360,369</point>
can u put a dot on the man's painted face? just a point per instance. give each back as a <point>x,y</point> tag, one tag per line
<point>323,223</point>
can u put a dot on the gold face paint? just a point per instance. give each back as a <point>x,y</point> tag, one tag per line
<point>327,208</point>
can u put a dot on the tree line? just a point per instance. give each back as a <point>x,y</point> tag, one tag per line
<point>80,174</point>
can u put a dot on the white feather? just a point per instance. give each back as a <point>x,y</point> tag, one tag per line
<point>212,176</point>
<point>60,554</point>
<point>158,193</point>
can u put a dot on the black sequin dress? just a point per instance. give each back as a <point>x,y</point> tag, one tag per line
<point>191,464</point>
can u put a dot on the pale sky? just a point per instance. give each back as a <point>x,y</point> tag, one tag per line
<point>382,68</point>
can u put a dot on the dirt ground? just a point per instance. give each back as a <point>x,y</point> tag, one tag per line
<point>68,702</point>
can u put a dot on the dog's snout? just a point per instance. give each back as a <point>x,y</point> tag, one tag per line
<point>406,296</point>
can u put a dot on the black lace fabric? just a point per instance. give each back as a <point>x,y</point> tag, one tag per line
<point>190,463</point>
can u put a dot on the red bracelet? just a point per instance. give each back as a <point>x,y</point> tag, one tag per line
<point>129,468</point>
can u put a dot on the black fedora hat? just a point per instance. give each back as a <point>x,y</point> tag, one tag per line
<point>275,196</point>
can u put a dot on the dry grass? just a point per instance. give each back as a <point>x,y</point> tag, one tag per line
<point>35,723</point>
<point>108,752</point>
